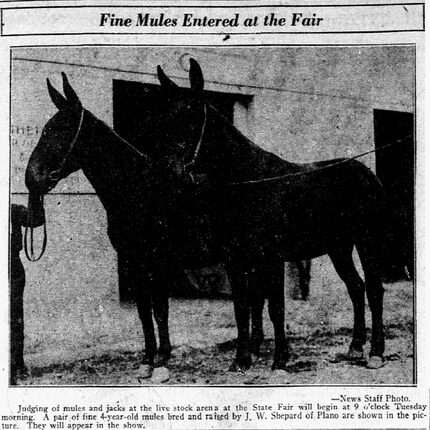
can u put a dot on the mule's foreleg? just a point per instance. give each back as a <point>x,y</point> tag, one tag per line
<point>144,308</point>
<point>243,354</point>
<point>161,315</point>
<point>277,316</point>
<point>241,300</point>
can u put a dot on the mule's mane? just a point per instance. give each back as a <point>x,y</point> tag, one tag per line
<point>108,163</point>
<point>231,128</point>
<point>116,138</point>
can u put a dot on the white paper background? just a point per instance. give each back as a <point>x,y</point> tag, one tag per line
<point>10,397</point>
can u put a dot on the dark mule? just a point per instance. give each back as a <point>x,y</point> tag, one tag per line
<point>147,221</point>
<point>259,221</point>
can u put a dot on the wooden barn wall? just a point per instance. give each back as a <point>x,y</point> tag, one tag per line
<point>309,103</point>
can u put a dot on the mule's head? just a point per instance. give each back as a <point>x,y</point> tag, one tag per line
<point>182,114</point>
<point>53,159</point>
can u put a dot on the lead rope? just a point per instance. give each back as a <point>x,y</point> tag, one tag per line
<point>29,226</point>
<point>72,144</point>
<point>189,166</point>
<point>328,166</point>
<point>188,169</point>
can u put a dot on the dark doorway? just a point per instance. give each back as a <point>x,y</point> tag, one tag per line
<point>395,167</point>
<point>133,103</point>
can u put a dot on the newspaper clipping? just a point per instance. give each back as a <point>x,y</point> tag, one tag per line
<point>213,215</point>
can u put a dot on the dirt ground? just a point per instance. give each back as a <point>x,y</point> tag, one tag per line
<point>203,333</point>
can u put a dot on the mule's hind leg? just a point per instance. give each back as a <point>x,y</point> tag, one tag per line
<point>368,250</point>
<point>161,315</point>
<point>275,287</point>
<point>144,308</point>
<point>162,278</point>
<point>344,265</point>
<point>152,298</point>
<point>160,302</point>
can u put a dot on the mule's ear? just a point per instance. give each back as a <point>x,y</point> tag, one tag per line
<point>69,92</point>
<point>196,76</point>
<point>164,80</point>
<point>56,97</point>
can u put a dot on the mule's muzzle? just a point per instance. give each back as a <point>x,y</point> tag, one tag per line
<point>34,180</point>
<point>40,182</point>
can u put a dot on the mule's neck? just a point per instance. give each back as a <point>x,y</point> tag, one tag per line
<point>108,163</point>
<point>227,155</point>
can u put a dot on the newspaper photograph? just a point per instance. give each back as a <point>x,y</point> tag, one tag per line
<point>213,215</point>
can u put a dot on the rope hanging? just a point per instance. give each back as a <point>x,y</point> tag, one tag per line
<point>328,166</point>
<point>29,226</point>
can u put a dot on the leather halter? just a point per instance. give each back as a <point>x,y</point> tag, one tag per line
<point>189,166</point>
<point>55,174</point>
<point>75,139</point>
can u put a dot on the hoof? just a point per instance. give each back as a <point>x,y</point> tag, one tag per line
<point>145,371</point>
<point>236,368</point>
<point>279,376</point>
<point>281,366</point>
<point>241,363</point>
<point>160,375</point>
<point>375,362</point>
<point>355,354</point>
<point>255,358</point>
<point>18,375</point>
